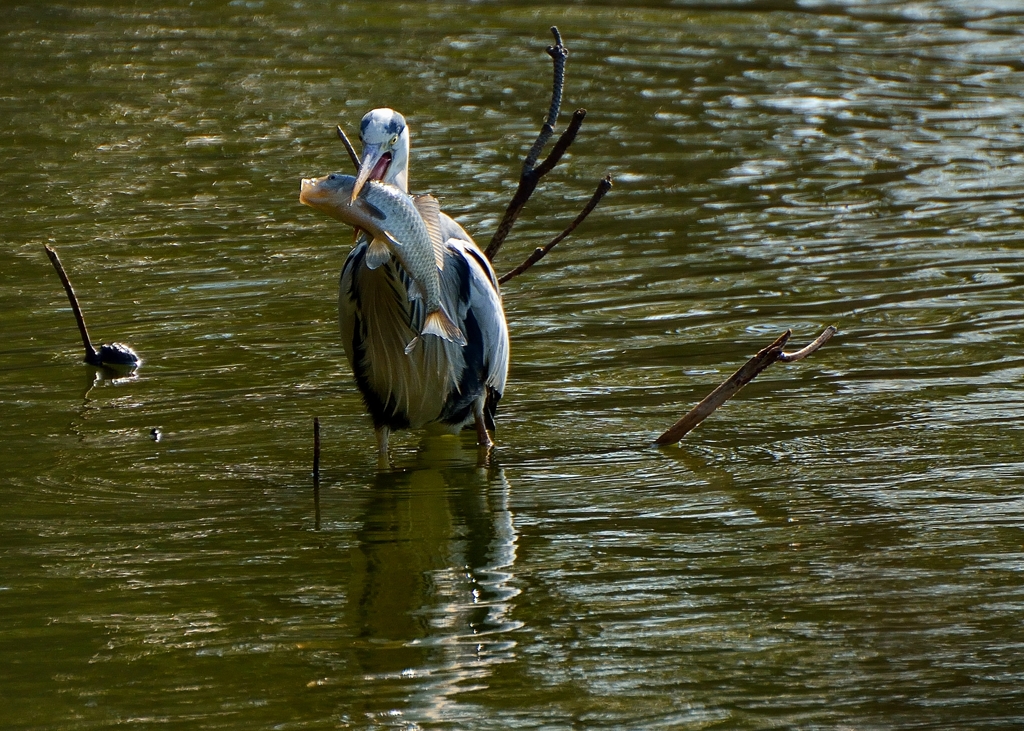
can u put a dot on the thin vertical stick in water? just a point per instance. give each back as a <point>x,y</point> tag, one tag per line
<point>91,355</point>
<point>316,450</point>
<point>316,472</point>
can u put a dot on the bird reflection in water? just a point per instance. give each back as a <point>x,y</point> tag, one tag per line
<point>95,405</point>
<point>431,592</point>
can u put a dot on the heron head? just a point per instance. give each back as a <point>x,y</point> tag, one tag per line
<point>385,138</point>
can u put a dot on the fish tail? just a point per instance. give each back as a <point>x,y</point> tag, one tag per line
<point>440,324</point>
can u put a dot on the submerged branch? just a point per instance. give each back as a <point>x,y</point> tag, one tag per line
<point>738,380</point>
<point>541,251</point>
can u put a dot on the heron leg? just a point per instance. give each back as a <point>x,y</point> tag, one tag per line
<point>382,433</point>
<point>483,439</point>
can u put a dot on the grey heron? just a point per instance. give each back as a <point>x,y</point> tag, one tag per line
<point>439,384</point>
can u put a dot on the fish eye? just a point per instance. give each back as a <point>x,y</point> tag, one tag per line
<point>332,176</point>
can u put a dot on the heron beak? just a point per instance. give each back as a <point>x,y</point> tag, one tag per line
<point>374,165</point>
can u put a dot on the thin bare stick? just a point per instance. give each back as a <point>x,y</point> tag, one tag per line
<point>348,146</point>
<point>541,251</point>
<point>562,144</point>
<point>316,472</point>
<point>316,450</point>
<point>731,386</point>
<point>91,354</point>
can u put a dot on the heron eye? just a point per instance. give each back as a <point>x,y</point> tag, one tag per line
<point>393,142</point>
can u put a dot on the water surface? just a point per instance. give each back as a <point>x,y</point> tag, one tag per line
<point>841,546</point>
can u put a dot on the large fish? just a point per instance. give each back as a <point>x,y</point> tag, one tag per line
<point>408,227</point>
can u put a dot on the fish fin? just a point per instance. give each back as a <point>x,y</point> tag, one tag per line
<point>412,345</point>
<point>377,253</point>
<point>430,212</point>
<point>374,211</point>
<point>440,324</point>
<point>415,290</point>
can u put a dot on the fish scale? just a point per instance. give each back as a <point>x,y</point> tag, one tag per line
<point>401,225</point>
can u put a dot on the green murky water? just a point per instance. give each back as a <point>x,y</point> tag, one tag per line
<point>841,546</point>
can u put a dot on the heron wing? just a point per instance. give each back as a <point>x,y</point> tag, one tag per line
<point>482,296</point>
<point>482,299</point>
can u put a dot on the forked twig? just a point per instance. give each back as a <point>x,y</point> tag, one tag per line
<point>738,380</point>
<point>348,146</point>
<point>528,182</point>
<point>532,173</point>
<point>541,251</point>
<point>810,347</point>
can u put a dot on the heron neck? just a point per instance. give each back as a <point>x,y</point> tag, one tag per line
<point>401,180</point>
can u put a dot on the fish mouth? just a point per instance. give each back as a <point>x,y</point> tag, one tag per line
<point>308,190</point>
<point>316,192</point>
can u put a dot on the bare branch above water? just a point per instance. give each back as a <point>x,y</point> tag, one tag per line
<point>541,251</point>
<point>559,53</point>
<point>532,173</point>
<point>747,373</point>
